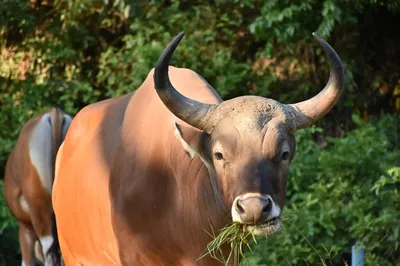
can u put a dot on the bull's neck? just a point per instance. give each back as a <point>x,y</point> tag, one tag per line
<point>157,190</point>
<point>197,179</point>
<point>196,182</point>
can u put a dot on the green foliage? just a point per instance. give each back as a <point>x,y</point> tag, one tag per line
<point>345,193</point>
<point>6,219</point>
<point>233,235</point>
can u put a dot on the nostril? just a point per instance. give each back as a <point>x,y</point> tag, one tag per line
<point>267,206</point>
<point>239,207</point>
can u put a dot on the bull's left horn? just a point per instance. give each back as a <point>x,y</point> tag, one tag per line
<point>308,112</point>
<point>190,111</point>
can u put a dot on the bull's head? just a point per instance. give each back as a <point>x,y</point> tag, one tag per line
<point>247,142</point>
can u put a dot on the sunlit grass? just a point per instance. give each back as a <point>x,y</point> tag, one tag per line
<point>236,236</point>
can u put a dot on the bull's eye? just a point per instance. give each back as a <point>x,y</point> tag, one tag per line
<point>285,156</point>
<point>218,155</point>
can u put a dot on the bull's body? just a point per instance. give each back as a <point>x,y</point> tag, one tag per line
<point>141,178</point>
<point>136,175</point>
<point>28,183</point>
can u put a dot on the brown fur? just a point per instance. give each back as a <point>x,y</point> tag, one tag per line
<point>129,190</point>
<point>116,199</point>
<point>126,192</point>
<point>22,181</point>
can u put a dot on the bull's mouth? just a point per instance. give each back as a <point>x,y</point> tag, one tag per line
<point>270,222</point>
<point>265,229</point>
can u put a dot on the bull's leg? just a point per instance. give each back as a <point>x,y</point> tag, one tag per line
<point>27,239</point>
<point>46,240</point>
<point>39,251</point>
<point>41,220</point>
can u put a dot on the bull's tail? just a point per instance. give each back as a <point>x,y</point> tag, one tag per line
<point>54,251</point>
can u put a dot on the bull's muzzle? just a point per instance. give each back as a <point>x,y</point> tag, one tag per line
<point>254,208</point>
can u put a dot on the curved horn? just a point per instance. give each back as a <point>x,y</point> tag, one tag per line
<point>190,111</point>
<point>308,112</point>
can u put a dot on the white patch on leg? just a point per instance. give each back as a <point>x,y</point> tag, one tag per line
<point>28,238</point>
<point>41,151</point>
<point>38,252</point>
<point>24,205</point>
<point>24,263</point>
<point>46,242</point>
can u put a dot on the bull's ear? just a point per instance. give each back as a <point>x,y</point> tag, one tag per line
<point>190,139</point>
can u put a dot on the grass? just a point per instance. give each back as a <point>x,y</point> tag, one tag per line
<point>236,236</point>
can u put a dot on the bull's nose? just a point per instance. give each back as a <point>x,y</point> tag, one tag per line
<point>253,210</point>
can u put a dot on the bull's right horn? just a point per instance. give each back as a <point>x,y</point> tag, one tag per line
<point>190,111</point>
<point>308,112</point>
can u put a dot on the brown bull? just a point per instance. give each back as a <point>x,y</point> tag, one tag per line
<point>28,184</point>
<point>140,178</point>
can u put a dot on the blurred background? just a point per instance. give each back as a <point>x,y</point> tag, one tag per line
<point>344,183</point>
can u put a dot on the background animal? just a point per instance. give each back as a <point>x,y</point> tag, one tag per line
<point>28,185</point>
<point>139,178</point>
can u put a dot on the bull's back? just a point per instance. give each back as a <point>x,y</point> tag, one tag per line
<point>80,190</point>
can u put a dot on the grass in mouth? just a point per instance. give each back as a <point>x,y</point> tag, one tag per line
<point>236,236</point>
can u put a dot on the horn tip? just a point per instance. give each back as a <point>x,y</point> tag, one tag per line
<point>316,36</point>
<point>166,55</point>
<point>179,37</point>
